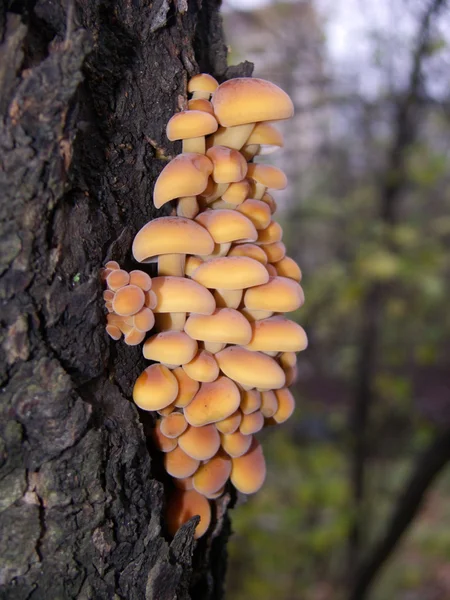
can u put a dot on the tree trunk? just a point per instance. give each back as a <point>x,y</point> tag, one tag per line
<point>86,90</point>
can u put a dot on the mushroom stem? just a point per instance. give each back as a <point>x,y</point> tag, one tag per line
<point>219,250</point>
<point>258,190</point>
<point>213,347</point>
<point>231,137</point>
<point>188,207</point>
<point>170,321</point>
<point>250,151</point>
<point>195,144</point>
<point>216,192</point>
<point>228,298</point>
<point>199,94</point>
<point>171,264</point>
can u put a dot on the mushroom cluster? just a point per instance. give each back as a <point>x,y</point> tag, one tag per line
<point>223,352</point>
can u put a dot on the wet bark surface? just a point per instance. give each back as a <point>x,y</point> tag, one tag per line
<point>86,90</point>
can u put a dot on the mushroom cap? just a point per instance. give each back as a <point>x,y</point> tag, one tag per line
<point>141,279</point>
<point>173,425</point>
<point>287,359</point>
<point>235,444</point>
<point>250,401</point>
<point>201,104</point>
<point>277,334</point>
<point>250,250</point>
<point>144,320</point>
<point>268,199</point>
<point>249,100</point>
<point>134,337</point>
<point>236,192</point>
<point>128,300</point>
<point>116,279</point>
<point>213,402</point>
<point>179,464</point>
<point>226,225</point>
<point>162,442</point>
<point>280,294</point>
<point>229,166</point>
<point>275,252</point>
<point>257,211</point>
<point>269,403</point>
<point>187,388</point>
<point>252,423</point>
<point>224,326</point>
<point>252,369</point>
<point>171,235</point>
<point>170,348</point>
<point>248,471</point>
<point>202,82</point>
<point>182,506</point>
<point>286,405</point>
<point>230,424</point>
<point>155,388</point>
<point>179,294</point>
<point>266,135</point>
<point>212,475</point>
<point>231,273</point>
<point>184,484</point>
<point>272,233</point>
<point>287,267</point>
<point>267,175</point>
<point>186,175</point>
<point>271,270</point>
<point>200,443</point>
<point>190,124</point>
<point>203,367</point>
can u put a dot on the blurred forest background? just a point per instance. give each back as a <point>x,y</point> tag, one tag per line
<point>356,504</point>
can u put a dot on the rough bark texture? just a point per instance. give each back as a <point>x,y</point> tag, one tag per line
<point>86,89</point>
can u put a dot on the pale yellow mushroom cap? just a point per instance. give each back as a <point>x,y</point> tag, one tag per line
<point>128,300</point>
<point>227,226</point>
<point>190,124</point>
<point>170,348</point>
<point>212,475</point>
<point>250,250</point>
<point>229,166</point>
<point>200,443</point>
<point>252,423</point>
<point>235,444</point>
<point>201,104</point>
<point>224,326</point>
<point>179,464</point>
<point>236,192</point>
<point>269,403</point>
<point>246,100</point>
<point>173,425</point>
<point>186,175</point>
<point>203,367</point>
<point>231,273</point>
<point>182,506</point>
<point>257,211</point>
<point>187,388</point>
<point>213,402</point>
<point>162,442</point>
<point>171,235</point>
<point>277,334</point>
<point>271,234</point>
<point>287,267</point>
<point>248,471</point>
<point>230,424</point>
<point>286,405</point>
<point>155,388</point>
<point>266,135</point>
<point>267,175</point>
<point>250,401</point>
<point>251,369</point>
<point>280,294</point>
<point>275,252</point>
<point>179,294</point>
<point>203,82</point>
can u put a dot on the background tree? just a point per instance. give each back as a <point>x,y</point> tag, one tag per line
<point>86,90</point>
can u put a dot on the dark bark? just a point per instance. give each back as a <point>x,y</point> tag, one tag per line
<point>394,181</point>
<point>428,467</point>
<point>86,90</point>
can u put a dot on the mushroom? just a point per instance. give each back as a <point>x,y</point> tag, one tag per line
<point>287,267</point>
<point>241,102</point>
<point>280,294</point>
<point>263,177</point>
<point>252,423</point>
<point>191,126</point>
<point>250,401</point>
<point>286,405</point>
<point>275,251</point>
<point>203,367</point>
<point>187,388</point>
<point>202,86</point>
<point>235,444</point>
<point>182,506</point>
<point>229,166</point>
<point>155,388</point>
<point>250,250</point>
<point>185,177</point>
<point>171,348</point>
<point>224,326</point>
<point>200,443</point>
<point>214,402</point>
<point>231,273</point>
<point>230,424</point>
<point>212,475</point>
<point>249,470</point>
<point>179,464</point>
<point>264,139</point>
<point>252,369</point>
<point>201,104</point>
<point>277,334</point>
<point>257,211</point>
<point>173,425</point>
<point>162,442</point>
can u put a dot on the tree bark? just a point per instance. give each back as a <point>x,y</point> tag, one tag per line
<point>86,90</point>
